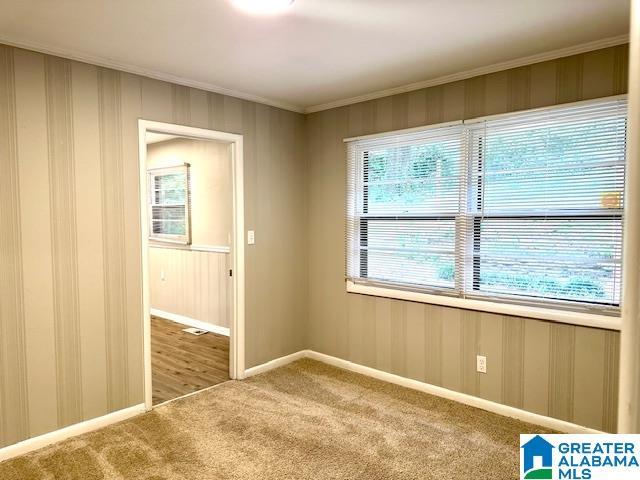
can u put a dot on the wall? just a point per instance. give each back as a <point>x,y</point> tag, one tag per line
<point>562,371</point>
<point>195,284</point>
<point>210,172</point>
<point>192,284</point>
<point>70,312</point>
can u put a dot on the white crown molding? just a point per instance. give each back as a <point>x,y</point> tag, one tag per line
<point>496,67</point>
<point>157,75</point>
<point>519,62</point>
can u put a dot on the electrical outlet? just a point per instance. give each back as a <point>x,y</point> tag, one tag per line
<point>481,364</point>
<point>251,237</point>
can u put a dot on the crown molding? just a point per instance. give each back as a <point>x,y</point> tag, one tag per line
<point>496,67</point>
<point>167,77</point>
<point>155,74</point>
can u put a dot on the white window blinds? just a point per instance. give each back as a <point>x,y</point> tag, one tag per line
<point>169,204</point>
<point>525,207</point>
<point>403,202</point>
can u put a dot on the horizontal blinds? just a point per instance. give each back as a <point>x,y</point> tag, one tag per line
<point>404,196</point>
<point>548,202</point>
<point>169,199</point>
<point>527,206</point>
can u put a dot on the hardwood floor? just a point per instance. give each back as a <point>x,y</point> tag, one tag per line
<point>182,363</point>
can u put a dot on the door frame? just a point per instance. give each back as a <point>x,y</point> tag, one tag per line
<point>236,341</point>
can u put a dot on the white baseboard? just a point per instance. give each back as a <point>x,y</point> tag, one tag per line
<point>41,441</point>
<point>190,322</point>
<point>481,403</point>
<point>278,362</point>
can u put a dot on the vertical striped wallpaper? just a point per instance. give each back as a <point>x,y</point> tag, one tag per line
<point>563,371</point>
<point>62,207</point>
<point>70,309</point>
<point>13,402</point>
<point>70,302</point>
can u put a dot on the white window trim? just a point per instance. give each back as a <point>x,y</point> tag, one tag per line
<point>594,320</point>
<point>170,238</point>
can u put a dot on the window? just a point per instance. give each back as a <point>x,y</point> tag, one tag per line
<point>169,204</point>
<point>523,208</point>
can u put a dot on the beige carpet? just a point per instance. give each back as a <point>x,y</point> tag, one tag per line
<point>303,421</point>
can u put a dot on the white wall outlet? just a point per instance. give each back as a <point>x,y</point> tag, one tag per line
<point>481,364</point>
<point>251,237</point>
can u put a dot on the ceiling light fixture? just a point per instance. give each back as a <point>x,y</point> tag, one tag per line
<point>264,7</point>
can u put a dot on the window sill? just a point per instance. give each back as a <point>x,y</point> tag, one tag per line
<point>554,315</point>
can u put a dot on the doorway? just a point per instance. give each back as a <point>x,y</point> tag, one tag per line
<point>192,231</point>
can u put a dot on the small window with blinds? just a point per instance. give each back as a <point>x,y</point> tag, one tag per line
<point>169,204</point>
<point>524,208</point>
<point>404,201</point>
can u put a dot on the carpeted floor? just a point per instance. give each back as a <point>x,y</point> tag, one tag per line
<point>303,421</point>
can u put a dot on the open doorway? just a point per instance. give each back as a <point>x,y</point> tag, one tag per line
<point>192,250</point>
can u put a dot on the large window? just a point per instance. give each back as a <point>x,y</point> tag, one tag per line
<point>169,204</point>
<point>524,208</point>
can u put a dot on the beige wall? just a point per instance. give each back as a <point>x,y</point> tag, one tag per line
<point>70,317</point>
<point>210,172</point>
<point>190,283</point>
<point>566,372</point>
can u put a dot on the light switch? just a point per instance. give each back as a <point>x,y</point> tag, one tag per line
<point>251,237</point>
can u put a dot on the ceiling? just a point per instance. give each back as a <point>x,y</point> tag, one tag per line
<point>155,137</point>
<point>321,52</point>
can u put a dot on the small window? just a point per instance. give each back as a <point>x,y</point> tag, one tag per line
<point>169,204</point>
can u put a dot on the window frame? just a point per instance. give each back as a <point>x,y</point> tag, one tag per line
<point>560,310</point>
<point>152,174</point>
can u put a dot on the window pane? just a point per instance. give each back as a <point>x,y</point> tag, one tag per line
<point>417,252</point>
<point>169,199</point>
<point>556,164</point>
<point>169,220</point>
<point>173,212</point>
<point>575,259</point>
<point>170,189</point>
<point>413,179</point>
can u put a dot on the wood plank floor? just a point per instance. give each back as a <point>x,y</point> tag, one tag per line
<point>182,363</point>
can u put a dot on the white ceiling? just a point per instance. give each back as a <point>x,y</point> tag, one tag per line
<point>319,52</point>
<point>155,137</point>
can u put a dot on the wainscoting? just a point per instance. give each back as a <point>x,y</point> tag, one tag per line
<point>191,283</point>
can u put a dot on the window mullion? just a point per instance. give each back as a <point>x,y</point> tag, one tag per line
<point>462,220</point>
<point>364,225</point>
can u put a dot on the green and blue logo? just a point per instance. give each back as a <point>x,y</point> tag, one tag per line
<point>580,457</point>
<point>537,458</point>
